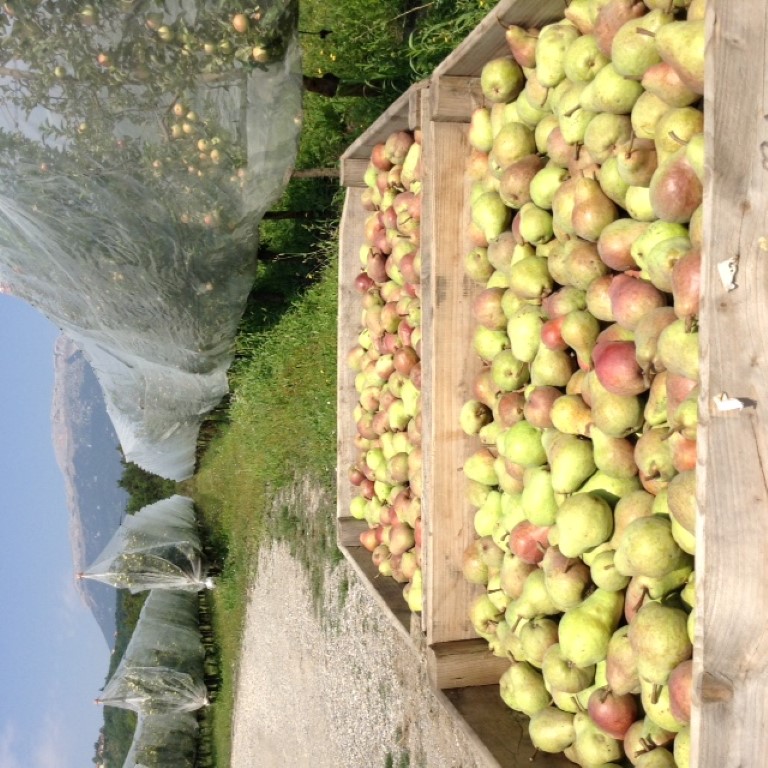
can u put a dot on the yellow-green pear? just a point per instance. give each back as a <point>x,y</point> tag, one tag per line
<point>554,41</point>
<point>586,630</point>
<point>563,675</point>
<point>655,701</point>
<point>659,638</point>
<point>584,521</point>
<point>522,689</point>
<point>551,730</point>
<point>647,548</point>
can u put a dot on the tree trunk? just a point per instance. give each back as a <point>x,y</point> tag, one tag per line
<point>330,85</point>
<point>315,173</point>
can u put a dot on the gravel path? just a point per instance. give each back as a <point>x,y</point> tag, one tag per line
<point>342,692</point>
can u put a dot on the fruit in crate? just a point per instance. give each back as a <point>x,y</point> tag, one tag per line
<point>387,362</point>
<point>590,218</point>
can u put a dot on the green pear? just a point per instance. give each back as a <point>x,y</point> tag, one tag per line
<point>544,185</point>
<point>656,758</point>
<point>536,636</point>
<point>610,92</point>
<point>487,516</point>
<point>565,578</point>
<point>637,201</point>
<point>490,215</point>
<point>633,51</point>
<point>480,133</point>
<point>682,748</point>
<point>583,59</point>
<point>554,41</point>
<point>513,574</point>
<point>609,488</point>
<point>678,350</point>
<point>655,233</point>
<point>611,182</point>
<point>604,573</point>
<point>646,114</point>
<point>621,664</point>
<point>534,600</point>
<point>489,343</point>
<point>484,616</point>
<point>530,113</point>
<point>521,444</point>
<point>541,133</point>
<point>584,521</point>
<point>513,142</point>
<point>562,675</point>
<point>551,367</point>
<point>524,331</point>
<point>647,548</point>
<point>507,372</point>
<point>479,467</point>
<point>580,330</point>
<point>656,406</point>
<point>682,500</point>
<point>676,126</point>
<point>501,80</point>
<point>613,455</point>
<point>571,462</point>
<point>593,746</point>
<point>604,133</point>
<point>662,587</point>
<point>573,118</point>
<point>586,630</point>
<point>571,415</point>
<point>551,730</point>
<point>630,507</point>
<point>522,689</point>
<point>655,701</point>
<point>538,496</point>
<point>615,415</point>
<point>681,45</point>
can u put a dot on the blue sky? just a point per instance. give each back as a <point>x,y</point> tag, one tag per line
<point>54,658</point>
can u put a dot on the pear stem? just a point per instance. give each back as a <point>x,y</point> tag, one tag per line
<point>672,135</point>
<point>533,756</point>
<point>646,32</point>
<point>655,693</point>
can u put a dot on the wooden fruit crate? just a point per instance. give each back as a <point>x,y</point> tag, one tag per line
<point>403,114</point>
<point>730,695</point>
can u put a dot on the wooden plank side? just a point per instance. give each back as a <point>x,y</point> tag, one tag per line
<point>386,592</point>
<point>464,663</point>
<point>487,41</point>
<point>348,328</point>
<point>499,735</point>
<point>455,98</point>
<point>448,371</point>
<point>731,648</point>
<point>397,117</point>
<point>348,530</point>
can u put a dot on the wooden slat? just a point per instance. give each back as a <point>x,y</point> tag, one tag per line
<point>352,171</point>
<point>455,98</point>
<point>731,648</point>
<point>348,328</point>
<point>487,41</point>
<point>348,530</point>
<point>464,663</point>
<point>448,369</point>
<point>384,590</point>
<point>499,735</point>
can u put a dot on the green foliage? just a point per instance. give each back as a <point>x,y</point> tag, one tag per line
<point>143,487</point>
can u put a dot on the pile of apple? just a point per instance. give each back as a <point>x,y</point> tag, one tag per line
<point>387,362</point>
<point>586,189</point>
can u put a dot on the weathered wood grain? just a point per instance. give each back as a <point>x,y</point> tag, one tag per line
<point>731,648</point>
<point>464,663</point>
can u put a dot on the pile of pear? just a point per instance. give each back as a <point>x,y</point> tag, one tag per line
<point>586,178</point>
<point>386,359</point>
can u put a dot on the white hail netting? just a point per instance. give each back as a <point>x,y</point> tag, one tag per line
<point>162,668</point>
<point>164,741</point>
<point>130,226</point>
<point>157,548</point>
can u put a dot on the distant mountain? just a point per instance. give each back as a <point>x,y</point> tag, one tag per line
<point>86,448</point>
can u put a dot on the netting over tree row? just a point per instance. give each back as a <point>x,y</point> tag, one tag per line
<point>140,145</point>
<point>164,741</point>
<point>157,548</point>
<point>162,670</point>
